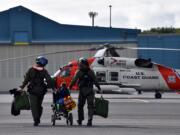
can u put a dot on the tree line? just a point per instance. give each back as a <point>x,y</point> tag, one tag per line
<point>161,30</point>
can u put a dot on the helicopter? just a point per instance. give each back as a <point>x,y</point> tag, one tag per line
<point>119,73</point>
<point>125,73</point>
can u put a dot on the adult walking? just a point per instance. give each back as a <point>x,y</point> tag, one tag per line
<point>85,78</point>
<point>36,79</point>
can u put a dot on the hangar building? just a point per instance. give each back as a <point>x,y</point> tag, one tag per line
<point>25,33</point>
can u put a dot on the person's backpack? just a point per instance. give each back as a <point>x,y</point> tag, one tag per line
<point>37,85</point>
<point>85,80</point>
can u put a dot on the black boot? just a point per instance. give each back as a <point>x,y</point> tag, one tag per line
<point>36,122</point>
<point>89,122</point>
<point>79,122</point>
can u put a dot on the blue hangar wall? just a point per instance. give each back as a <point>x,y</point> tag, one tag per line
<point>20,25</point>
<point>168,58</point>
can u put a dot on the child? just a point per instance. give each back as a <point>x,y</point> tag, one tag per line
<point>60,95</point>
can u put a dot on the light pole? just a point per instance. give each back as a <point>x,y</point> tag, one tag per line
<point>110,16</point>
<point>93,15</point>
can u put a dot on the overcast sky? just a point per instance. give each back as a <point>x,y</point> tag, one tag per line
<point>141,14</point>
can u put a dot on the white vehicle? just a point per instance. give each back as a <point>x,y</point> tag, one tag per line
<point>126,73</point>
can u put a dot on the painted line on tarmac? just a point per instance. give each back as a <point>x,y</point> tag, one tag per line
<point>140,100</point>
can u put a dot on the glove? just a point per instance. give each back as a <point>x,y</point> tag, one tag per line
<point>13,91</point>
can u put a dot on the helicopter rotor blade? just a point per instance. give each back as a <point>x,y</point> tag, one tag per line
<point>148,48</point>
<point>90,49</point>
<point>48,53</point>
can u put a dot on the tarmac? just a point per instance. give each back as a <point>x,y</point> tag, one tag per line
<point>128,115</point>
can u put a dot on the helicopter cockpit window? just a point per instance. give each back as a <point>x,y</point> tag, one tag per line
<point>113,76</point>
<point>111,52</point>
<point>146,63</point>
<point>65,72</point>
<point>101,76</point>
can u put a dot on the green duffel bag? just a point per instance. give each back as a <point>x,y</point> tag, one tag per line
<point>21,101</point>
<point>101,107</point>
<point>14,111</point>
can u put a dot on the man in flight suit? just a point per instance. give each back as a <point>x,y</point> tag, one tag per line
<point>86,78</point>
<point>34,79</point>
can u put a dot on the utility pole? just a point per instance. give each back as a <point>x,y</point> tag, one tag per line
<point>92,15</point>
<point>110,16</point>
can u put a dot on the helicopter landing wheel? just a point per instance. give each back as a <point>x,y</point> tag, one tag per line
<point>158,95</point>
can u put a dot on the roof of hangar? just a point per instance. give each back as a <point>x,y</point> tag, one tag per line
<point>20,24</point>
